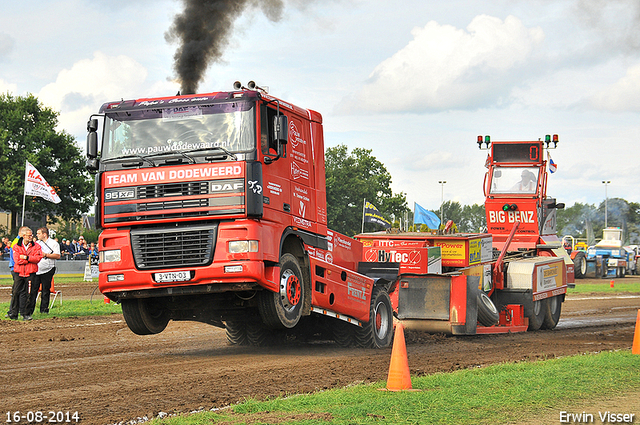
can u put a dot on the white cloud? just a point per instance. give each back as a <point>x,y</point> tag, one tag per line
<point>7,87</point>
<point>622,96</point>
<point>80,91</point>
<point>444,67</point>
<point>7,44</point>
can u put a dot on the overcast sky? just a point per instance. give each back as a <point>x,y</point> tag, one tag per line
<point>415,81</point>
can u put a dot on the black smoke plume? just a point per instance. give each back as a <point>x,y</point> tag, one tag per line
<point>203,31</point>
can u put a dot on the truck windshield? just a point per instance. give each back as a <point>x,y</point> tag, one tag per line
<point>514,180</point>
<point>179,128</point>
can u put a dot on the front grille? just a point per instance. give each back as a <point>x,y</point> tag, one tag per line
<point>173,189</point>
<point>159,248</point>
<point>172,205</point>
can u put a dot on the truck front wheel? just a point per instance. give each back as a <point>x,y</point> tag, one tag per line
<point>144,316</point>
<point>283,309</point>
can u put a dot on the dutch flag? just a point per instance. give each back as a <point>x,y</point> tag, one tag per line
<point>552,165</point>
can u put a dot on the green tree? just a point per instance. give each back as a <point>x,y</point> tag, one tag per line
<point>587,221</point>
<point>352,178</point>
<point>474,219</point>
<point>578,221</point>
<point>622,214</point>
<point>27,133</point>
<point>468,218</point>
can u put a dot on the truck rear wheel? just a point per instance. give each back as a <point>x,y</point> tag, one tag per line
<point>259,335</point>
<point>537,315</point>
<point>236,332</point>
<point>378,332</point>
<point>487,312</point>
<point>144,316</point>
<point>580,265</point>
<point>283,309</point>
<point>343,333</point>
<point>554,307</point>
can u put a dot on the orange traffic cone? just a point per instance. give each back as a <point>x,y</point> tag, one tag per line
<point>636,337</point>
<point>612,283</point>
<point>399,377</point>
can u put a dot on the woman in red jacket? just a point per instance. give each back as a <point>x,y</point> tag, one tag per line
<point>26,255</point>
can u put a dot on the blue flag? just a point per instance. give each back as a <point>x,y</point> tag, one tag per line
<point>423,216</point>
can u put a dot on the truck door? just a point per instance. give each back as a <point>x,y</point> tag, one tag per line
<point>289,181</point>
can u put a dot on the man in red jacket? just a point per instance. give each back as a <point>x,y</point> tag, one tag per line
<point>26,255</point>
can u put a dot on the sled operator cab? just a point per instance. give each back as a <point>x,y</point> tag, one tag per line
<point>515,189</point>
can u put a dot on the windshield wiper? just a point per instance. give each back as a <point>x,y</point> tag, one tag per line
<point>118,158</point>
<point>215,148</point>
<point>190,158</point>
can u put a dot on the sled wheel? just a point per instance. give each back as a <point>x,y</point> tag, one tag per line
<point>283,309</point>
<point>554,307</point>
<point>580,265</point>
<point>144,316</point>
<point>378,331</point>
<point>236,332</point>
<point>487,312</point>
<point>537,315</point>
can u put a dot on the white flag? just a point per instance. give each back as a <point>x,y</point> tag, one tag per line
<point>36,185</point>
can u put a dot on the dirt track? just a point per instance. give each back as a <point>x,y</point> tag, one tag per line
<point>96,366</point>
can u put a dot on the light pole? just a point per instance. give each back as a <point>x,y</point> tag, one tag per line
<point>442,182</point>
<point>605,182</point>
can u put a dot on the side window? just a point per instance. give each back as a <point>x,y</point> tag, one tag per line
<point>267,142</point>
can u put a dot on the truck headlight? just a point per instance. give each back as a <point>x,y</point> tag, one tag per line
<point>238,247</point>
<point>110,256</point>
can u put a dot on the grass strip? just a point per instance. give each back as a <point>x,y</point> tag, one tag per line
<point>71,308</point>
<point>505,393</point>
<point>58,280</point>
<point>619,285</point>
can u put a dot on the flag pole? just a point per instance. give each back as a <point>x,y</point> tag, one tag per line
<point>24,191</point>
<point>364,202</point>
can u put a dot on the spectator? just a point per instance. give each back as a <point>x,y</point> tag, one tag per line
<point>44,275</point>
<point>26,256</point>
<point>70,249</point>
<point>93,251</point>
<point>11,265</point>
<point>64,253</point>
<point>75,245</point>
<point>83,251</point>
<point>6,248</point>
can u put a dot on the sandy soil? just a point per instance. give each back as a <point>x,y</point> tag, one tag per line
<point>100,369</point>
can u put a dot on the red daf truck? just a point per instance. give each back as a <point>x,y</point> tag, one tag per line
<point>213,209</point>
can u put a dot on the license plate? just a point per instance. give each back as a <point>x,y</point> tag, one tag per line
<point>181,276</point>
